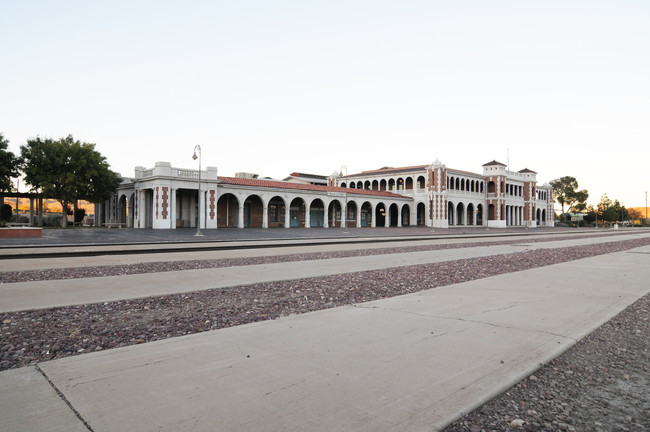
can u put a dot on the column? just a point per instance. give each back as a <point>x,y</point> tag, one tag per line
<point>40,211</point>
<point>326,215</point>
<point>307,216</point>
<point>287,216</point>
<point>172,208</point>
<point>265,215</point>
<point>240,219</point>
<point>31,211</point>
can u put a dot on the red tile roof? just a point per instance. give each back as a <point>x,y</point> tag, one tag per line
<point>304,187</point>
<point>495,162</point>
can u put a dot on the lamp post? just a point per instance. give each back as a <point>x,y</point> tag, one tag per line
<point>198,221</point>
<point>345,209</point>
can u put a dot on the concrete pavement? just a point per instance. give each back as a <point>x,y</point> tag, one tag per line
<point>414,362</point>
<point>65,292</point>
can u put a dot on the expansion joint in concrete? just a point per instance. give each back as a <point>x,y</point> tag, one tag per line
<point>64,399</point>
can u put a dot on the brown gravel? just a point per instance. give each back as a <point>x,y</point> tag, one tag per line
<point>601,384</point>
<point>165,266</point>
<point>31,336</point>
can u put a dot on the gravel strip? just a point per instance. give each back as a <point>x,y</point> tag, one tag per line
<point>601,384</point>
<point>32,336</point>
<point>165,266</point>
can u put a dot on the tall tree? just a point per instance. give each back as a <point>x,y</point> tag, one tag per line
<point>612,211</point>
<point>566,193</point>
<point>67,170</point>
<point>8,166</point>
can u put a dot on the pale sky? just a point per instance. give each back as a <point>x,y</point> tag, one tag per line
<point>272,87</point>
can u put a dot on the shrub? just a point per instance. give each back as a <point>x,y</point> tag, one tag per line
<point>52,220</point>
<point>6,212</point>
<point>79,215</point>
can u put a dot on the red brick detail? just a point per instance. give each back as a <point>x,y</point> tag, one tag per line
<point>165,202</point>
<point>21,232</point>
<point>212,205</point>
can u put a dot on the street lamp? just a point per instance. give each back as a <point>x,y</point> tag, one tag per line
<point>198,221</point>
<point>345,210</point>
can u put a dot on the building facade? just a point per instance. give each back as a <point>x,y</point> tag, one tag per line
<point>432,195</point>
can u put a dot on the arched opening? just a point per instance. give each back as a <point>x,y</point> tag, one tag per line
<point>297,213</point>
<point>351,214</point>
<point>400,184</point>
<point>479,214</point>
<point>343,184</point>
<point>421,183</point>
<point>408,183</point>
<point>391,184</point>
<point>451,213</point>
<point>462,184</point>
<point>393,215</point>
<point>457,187</point>
<point>366,214</point>
<point>375,185</point>
<point>334,210</point>
<point>422,214</point>
<point>276,212</point>
<point>122,210</point>
<point>470,214</point>
<point>406,215</point>
<point>460,214</point>
<point>544,216</point>
<point>366,185</point>
<point>380,214</point>
<point>382,185</point>
<point>253,212</point>
<point>481,187</point>
<point>491,189</point>
<point>492,212</point>
<point>317,214</point>
<point>131,214</point>
<point>359,184</point>
<point>227,211</point>
<point>538,213</point>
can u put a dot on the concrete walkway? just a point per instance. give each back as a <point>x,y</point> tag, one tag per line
<point>414,362</point>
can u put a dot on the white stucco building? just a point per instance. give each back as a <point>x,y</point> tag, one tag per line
<point>164,197</point>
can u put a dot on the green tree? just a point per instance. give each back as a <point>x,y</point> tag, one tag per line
<point>67,170</point>
<point>8,166</point>
<point>609,211</point>
<point>566,193</point>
